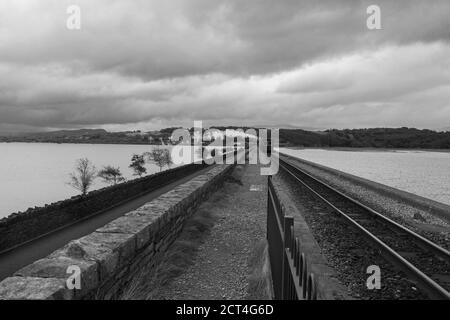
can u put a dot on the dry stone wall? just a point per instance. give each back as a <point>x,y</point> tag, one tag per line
<point>109,257</point>
<point>21,227</point>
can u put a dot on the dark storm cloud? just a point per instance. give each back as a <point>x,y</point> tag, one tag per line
<point>300,62</point>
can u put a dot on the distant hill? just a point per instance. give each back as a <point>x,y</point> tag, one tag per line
<point>408,138</point>
<point>70,133</point>
<point>99,136</point>
<point>369,138</point>
<point>289,127</point>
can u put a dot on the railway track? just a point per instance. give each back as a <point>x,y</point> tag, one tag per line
<point>422,261</point>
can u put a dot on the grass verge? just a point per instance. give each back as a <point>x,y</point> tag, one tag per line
<point>260,283</point>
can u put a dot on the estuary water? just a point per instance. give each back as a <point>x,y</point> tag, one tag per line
<point>35,174</point>
<point>420,172</point>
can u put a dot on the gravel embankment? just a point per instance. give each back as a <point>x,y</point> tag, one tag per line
<point>346,251</point>
<point>222,266</point>
<point>416,219</point>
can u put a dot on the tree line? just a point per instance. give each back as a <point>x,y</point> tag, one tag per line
<point>367,138</point>
<point>85,172</point>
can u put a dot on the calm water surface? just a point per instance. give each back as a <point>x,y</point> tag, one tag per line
<point>35,174</point>
<point>424,173</point>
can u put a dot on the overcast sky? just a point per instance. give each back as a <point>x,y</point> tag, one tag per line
<point>142,64</point>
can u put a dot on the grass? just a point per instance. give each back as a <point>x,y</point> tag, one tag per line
<point>180,255</point>
<point>260,283</point>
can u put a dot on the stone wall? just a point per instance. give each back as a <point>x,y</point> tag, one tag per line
<point>109,257</point>
<point>21,227</point>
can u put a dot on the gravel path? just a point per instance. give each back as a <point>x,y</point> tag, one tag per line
<point>221,267</point>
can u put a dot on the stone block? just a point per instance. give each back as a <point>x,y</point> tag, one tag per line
<point>132,224</point>
<point>121,248</point>
<point>56,266</point>
<point>34,288</point>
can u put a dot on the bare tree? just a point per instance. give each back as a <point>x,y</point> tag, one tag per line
<point>168,158</point>
<point>137,164</point>
<point>111,175</point>
<point>160,156</point>
<point>83,177</point>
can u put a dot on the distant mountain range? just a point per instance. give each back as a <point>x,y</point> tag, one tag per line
<point>349,138</point>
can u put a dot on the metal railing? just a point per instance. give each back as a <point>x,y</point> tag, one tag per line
<point>290,276</point>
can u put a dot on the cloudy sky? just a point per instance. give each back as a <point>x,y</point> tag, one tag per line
<point>146,64</point>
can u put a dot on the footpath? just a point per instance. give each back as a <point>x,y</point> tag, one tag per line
<point>227,260</point>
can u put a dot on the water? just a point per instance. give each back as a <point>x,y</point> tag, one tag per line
<point>35,174</point>
<point>420,172</point>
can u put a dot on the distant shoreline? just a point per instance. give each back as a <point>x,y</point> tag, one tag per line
<point>363,149</point>
<point>81,143</point>
<point>366,149</point>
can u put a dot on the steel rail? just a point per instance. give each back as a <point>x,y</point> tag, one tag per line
<point>423,281</point>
